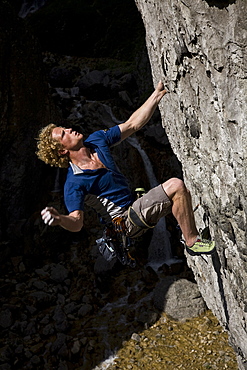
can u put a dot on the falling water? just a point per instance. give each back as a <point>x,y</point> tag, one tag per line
<point>160,247</point>
<point>30,6</point>
<point>147,164</point>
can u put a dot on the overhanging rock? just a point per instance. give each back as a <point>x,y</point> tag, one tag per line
<point>198,48</point>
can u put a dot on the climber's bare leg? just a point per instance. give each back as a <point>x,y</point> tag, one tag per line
<point>182,208</point>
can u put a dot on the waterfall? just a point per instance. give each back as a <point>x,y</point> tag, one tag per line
<point>147,164</point>
<point>160,247</point>
<point>159,251</point>
<point>30,6</point>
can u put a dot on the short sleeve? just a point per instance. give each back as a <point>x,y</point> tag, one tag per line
<point>106,137</point>
<point>113,135</point>
<point>74,197</point>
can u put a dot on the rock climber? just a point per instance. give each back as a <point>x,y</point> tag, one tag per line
<point>94,179</point>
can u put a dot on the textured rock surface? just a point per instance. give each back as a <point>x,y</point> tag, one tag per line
<point>57,317</point>
<point>199,49</point>
<point>178,298</point>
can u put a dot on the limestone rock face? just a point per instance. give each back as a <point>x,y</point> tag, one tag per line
<point>198,48</point>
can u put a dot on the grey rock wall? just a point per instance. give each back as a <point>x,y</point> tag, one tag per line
<point>198,48</point>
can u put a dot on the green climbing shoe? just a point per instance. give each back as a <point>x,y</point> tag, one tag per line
<point>203,246</point>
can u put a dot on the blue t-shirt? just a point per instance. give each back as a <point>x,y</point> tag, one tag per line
<point>104,189</point>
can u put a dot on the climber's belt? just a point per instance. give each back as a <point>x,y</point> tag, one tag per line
<point>136,220</point>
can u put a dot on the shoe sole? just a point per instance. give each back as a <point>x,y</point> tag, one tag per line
<point>192,253</point>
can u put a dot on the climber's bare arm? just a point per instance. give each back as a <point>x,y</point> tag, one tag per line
<point>142,115</point>
<point>72,222</point>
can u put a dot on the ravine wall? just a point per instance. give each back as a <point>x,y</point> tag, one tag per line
<point>198,48</point>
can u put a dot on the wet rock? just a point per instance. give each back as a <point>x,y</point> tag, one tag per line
<point>30,329</point>
<point>136,337</point>
<point>28,354</point>
<point>77,295</point>
<point>33,362</point>
<point>48,330</point>
<point>76,347</point>
<point>19,326</point>
<point>149,276</point>
<point>59,314</point>
<point>146,316</point>
<point>6,318</point>
<point>42,273</point>
<point>22,267</point>
<point>19,349</point>
<point>61,322</point>
<point>63,351</point>
<point>45,320</point>
<point>41,299</point>
<point>5,367</point>
<point>59,342</point>
<point>85,309</point>
<point>87,299</point>
<point>70,308</point>
<point>5,353</point>
<point>16,262</point>
<point>31,309</point>
<point>62,366</point>
<point>40,285</point>
<point>103,267</point>
<point>59,273</point>
<point>60,299</point>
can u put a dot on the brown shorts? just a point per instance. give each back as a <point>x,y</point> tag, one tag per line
<point>150,208</point>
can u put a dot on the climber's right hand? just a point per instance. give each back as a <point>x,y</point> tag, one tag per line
<point>51,216</point>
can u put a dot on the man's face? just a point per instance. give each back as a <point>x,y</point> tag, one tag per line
<point>70,140</point>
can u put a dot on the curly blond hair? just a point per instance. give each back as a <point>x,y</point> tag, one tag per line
<point>48,148</point>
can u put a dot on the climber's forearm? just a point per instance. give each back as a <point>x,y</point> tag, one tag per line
<point>143,114</point>
<point>72,222</point>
